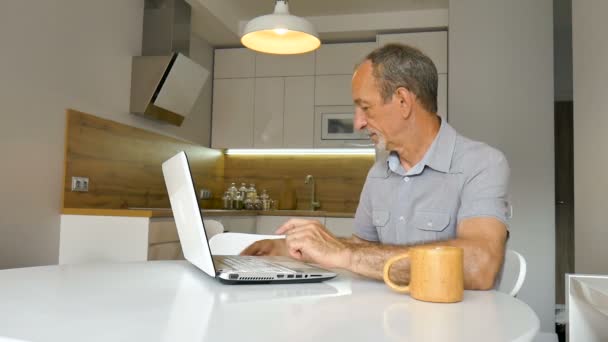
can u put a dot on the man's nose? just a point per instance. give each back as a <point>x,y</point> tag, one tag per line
<point>359,122</point>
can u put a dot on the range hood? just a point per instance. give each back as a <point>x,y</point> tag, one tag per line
<point>165,83</point>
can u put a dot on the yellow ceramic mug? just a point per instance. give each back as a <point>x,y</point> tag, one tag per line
<point>436,273</point>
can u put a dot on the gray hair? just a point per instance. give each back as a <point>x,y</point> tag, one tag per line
<point>398,65</point>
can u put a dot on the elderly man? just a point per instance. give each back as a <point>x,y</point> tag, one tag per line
<point>435,187</point>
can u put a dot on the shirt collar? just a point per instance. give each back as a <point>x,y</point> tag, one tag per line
<point>438,156</point>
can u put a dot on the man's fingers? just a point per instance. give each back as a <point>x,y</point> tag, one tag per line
<point>294,223</point>
<point>250,250</point>
<point>285,228</point>
<point>256,248</point>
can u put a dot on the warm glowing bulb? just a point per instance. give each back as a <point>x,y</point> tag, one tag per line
<point>280,31</point>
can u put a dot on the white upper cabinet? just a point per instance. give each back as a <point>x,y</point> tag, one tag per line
<point>233,103</point>
<point>267,65</point>
<point>340,59</point>
<point>234,63</point>
<point>299,112</point>
<point>268,113</point>
<point>331,90</point>
<point>272,101</point>
<point>433,44</point>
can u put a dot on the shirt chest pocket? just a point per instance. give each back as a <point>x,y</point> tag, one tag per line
<point>380,219</point>
<point>431,226</point>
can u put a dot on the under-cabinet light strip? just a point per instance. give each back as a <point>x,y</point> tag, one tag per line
<point>302,151</point>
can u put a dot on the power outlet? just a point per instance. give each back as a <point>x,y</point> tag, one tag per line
<point>205,194</point>
<point>80,184</point>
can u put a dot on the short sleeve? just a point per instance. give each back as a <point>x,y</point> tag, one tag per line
<point>364,227</point>
<point>485,193</point>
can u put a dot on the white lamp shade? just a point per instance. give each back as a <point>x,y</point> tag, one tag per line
<point>280,33</point>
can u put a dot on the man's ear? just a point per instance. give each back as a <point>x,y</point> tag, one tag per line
<point>406,100</point>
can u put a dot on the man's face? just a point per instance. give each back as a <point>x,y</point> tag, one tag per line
<point>371,113</point>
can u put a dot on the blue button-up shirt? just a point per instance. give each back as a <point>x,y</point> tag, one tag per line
<point>457,178</point>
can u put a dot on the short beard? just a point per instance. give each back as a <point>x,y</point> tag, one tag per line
<point>381,144</point>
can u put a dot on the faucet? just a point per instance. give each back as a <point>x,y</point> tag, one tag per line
<point>313,204</point>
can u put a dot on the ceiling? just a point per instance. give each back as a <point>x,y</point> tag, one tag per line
<point>220,21</point>
<point>310,8</point>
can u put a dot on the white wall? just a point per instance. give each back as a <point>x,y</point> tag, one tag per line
<point>59,54</point>
<point>501,92</point>
<point>590,71</point>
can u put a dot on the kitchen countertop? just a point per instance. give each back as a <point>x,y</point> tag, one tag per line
<point>166,212</point>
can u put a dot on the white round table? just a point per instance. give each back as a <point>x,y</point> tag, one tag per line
<point>174,301</point>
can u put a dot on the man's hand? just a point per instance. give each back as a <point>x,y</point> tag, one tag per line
<point>271,247</point>
<point>309,241</point>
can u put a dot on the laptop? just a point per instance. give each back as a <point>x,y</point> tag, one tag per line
<point>228,269</point>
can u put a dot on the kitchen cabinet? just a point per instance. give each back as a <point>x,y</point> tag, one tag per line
<point>298,119</point>
<point>234,63</point>
<point>233,106</point>
<point>267,65</point>
<point>284,112</point>
<point>236,224</point>
<point>332,90</point>
<point>268,112</point>
<point>93,238</point>
<point>163,240</point>
<point>340,59</point>
<point>269,224</point>
<point>269,101</point>
<point>340,226</point>
<point>433,44</point>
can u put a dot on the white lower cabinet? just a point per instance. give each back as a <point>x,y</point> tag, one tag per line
<point>340,226</point>
<point>269,224</point>
<point>236,224</point>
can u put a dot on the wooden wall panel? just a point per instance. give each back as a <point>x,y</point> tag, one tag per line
<point>339,179</point>
<point>123,164</point>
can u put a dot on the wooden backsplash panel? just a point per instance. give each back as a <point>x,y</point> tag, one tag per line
<point>339,179</point>
<point>123,164</point>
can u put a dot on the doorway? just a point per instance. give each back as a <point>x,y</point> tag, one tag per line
<point>564,196</point>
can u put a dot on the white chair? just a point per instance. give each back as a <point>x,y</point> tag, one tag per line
<point>212,228</point>
<point>235,243</point>
<point>513,273</point>
<point>546,337</point>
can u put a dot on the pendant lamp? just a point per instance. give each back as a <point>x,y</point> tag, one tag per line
<point>280,33</point>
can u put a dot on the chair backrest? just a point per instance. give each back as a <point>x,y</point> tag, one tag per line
<point>513,273</point>
<point>235,243</point>
<point>212,228</point>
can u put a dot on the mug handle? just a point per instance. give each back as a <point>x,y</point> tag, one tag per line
<point>387,268</point>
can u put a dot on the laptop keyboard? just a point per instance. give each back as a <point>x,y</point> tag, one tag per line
<point>254,265</point>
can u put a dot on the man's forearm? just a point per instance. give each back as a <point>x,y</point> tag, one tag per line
<point>368,259</point>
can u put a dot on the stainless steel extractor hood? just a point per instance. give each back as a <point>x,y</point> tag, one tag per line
<point>165,83</point>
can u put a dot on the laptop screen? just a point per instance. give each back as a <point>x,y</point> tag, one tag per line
<point>187,213</point>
